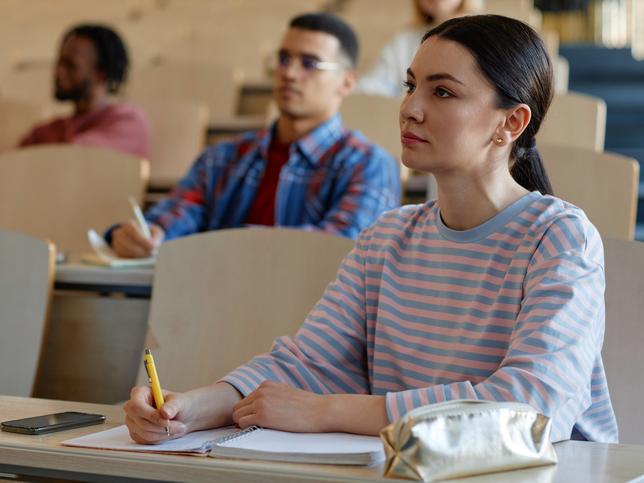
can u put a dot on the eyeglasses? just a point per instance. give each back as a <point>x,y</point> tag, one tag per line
<point>308,63</point>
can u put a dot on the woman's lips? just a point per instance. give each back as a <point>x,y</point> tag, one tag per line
<point>408,137</point>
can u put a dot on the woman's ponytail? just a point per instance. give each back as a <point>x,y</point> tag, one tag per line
<point>528,169</point>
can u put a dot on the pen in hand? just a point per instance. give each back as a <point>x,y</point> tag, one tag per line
<point>140,220</point>
<point>155,385</point>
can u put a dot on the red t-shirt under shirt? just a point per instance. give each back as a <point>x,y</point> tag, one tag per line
<point>262,211</point>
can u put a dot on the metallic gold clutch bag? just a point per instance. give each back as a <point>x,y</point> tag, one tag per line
<point>466,437</point>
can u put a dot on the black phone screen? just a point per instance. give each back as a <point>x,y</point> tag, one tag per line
<point>52,422</point>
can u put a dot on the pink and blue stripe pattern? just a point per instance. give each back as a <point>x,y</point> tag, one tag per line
<point>511,310</point>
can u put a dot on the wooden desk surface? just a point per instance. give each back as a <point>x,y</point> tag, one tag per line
<point>45,452</point>
<point>44,456</point>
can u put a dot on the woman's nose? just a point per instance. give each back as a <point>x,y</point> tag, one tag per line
<point>410,109</point>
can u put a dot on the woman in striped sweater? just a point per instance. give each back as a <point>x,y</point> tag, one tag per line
<point>493,291</point>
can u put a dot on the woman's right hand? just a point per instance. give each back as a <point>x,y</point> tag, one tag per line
<point>147,425</point>
<point>201,408</point>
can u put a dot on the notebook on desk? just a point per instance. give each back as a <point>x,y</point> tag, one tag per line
<point>198,443</point>
<point>104,256</point>
<point>252,443</point>
<point>317,448</point>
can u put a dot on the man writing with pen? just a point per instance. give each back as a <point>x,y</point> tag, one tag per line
<point>305,171</point>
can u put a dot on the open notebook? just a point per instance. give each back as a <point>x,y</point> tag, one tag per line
<point>118,438</point>
<point>104,255</point>
<point>252,443</point>
<point>320,448</point>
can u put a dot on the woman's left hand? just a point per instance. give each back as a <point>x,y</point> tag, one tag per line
<point>278,406</point>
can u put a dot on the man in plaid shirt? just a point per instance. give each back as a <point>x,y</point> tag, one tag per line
<point>305,171</point>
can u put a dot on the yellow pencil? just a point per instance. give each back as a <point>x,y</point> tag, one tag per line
<point>155,385</point>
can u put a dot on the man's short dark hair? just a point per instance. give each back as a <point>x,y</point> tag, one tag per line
<point>113,59</point>
<point>332,25</point>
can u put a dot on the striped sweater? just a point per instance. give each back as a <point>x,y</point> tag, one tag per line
<point>511,310</point>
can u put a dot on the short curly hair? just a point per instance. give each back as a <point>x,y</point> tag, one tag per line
<point>113,59</point>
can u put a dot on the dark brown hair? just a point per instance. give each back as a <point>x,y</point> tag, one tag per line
<point>332,25</point>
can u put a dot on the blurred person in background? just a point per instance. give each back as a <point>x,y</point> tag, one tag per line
<point>387,77</point>
<point>305,171</point>
<point>91,67</point>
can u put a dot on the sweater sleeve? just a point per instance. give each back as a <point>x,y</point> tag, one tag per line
<point>328,353</point>
<point>556,339</point>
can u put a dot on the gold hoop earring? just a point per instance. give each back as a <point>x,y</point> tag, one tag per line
<point>499,140</point>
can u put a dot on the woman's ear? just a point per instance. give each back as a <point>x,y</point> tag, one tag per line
<point>515,122</point>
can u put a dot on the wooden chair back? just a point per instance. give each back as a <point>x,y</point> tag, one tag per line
<point>215,86</point>
<point>604,185</point>
<point>220,298</point>
<point>550,39</point>
<point>27,267</point>
<point>178,133</point>
<point>377,118</point>
<point>561,69</point>
<point>576,120</point>
<point>24,115</point>
<point>58,192</point>
<point>622,352</point>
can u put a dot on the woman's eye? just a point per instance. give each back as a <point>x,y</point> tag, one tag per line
<point>409,87</point>
<point>444,93</point>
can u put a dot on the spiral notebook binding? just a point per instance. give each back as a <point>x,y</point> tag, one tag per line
<point>234,436</point>
<point>208,445</point>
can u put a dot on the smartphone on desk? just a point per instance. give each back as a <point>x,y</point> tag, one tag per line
<point>49,423</point>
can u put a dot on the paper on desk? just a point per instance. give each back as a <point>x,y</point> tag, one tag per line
<point>118,438</point>
<point>315,448</point>
<point>104,255</point>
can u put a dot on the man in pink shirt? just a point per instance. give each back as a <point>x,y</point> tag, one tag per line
<point>92,64</point>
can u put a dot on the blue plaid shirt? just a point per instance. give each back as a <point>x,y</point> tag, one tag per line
<point>335,180</point>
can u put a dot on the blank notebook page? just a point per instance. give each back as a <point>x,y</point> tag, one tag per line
<point>305,443</point>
